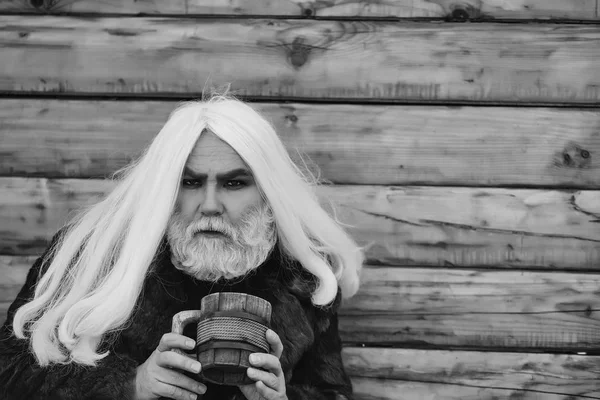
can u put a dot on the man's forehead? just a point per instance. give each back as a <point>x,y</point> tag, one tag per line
<point>210,145</point>
<point>211,155</point>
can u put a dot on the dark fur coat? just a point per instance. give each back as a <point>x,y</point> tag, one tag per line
<point>311,358</point>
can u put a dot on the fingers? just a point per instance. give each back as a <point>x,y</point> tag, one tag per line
<point>179,380</point>
<point>270,382</point>
<point>162,374</point>
<point>268,362</point>
<point>171,359</point>
<point>174,392</point>
<point>266,392</point>
<point>265,377</point>
<point>175,341</point>
<point>275,343</point>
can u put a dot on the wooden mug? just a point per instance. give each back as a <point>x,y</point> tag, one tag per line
<point>231,326</point>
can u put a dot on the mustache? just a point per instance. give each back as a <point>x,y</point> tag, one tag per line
<point>211,224</point>
<point>219,224</point>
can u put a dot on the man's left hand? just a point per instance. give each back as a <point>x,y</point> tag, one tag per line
<point>270,384</point>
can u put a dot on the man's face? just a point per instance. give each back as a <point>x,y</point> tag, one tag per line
<point>216,181</point>
<point>221,227</point>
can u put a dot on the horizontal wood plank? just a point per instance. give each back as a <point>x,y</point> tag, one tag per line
<point>363,60</point>
<point>464,9</point>
<point>512,375</point>
<point>440,308</point>
<point>472,9</point>
<point>447,226</point>
<point>13,271</point>
<point>378,389</point>
<point>512,228</point>
<point>173,7</point>
<point>349,144</point>
<point>414,307</point>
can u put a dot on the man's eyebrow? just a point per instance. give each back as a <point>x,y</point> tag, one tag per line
<point>238,172</point>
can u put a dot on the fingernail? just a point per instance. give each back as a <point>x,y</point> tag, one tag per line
<point>190,343</point>
<point>254,358</point>
<point>196,367</point>
<point>202,389</point>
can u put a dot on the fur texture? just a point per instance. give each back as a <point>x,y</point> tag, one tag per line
<point>311,359</point>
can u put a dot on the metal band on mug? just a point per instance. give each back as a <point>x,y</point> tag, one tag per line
<point>236,314</point>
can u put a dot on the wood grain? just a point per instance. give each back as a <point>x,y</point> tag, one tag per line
<point>213,360</point>
<point>512,228</point>
<point>421,307</point>
<point>348,144</point>
<point>464,9</point>
<point>41,206</point>
<point>13,272</point>
<point>363,60</point>
<point>377,389</point>
<point>445,226</point>
<point>178,7</point>
<point>523,375</point>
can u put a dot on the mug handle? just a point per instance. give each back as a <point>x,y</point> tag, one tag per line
<point>180,321</point>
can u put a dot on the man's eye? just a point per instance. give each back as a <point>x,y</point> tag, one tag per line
<point>235,184</point>
<point>191,183</point>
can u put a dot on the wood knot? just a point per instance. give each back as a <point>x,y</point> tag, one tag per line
<point>459,15</point>
<point>573,156</point>
<point>308,12</point>
<point>37,3</point>
<point>585,154</point>
<point>463,12</point>
<point>298,52</point>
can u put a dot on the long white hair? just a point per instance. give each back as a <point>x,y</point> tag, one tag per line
<point>99,265</point>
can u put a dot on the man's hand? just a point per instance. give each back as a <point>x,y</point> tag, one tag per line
<point>160,375</point>
<point>270,384</point>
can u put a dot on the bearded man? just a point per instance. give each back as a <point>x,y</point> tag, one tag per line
<point>214,204</point>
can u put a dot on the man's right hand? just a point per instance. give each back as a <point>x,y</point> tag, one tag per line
<point>160,374</point>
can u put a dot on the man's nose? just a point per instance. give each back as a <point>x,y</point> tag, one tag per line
<point>211,204</point>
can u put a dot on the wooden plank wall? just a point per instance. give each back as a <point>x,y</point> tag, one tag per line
<point>461,138</point>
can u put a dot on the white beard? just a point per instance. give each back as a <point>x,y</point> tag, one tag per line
<point>242,249</point>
